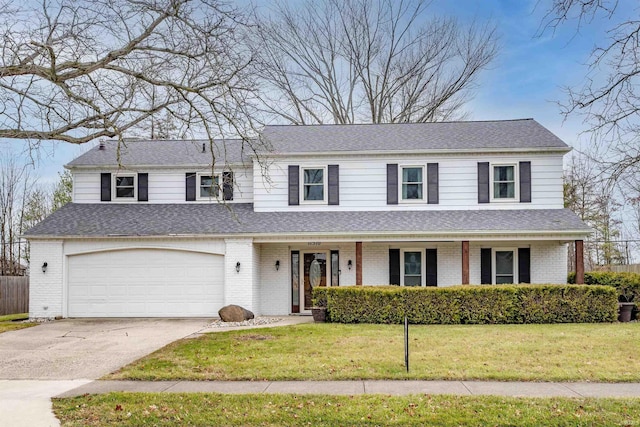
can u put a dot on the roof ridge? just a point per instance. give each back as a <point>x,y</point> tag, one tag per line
<point>399,124</point>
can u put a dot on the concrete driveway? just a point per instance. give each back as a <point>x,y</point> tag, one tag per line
<point>86,349</point>
<point>46,360</point>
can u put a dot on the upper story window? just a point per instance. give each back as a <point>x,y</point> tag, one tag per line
<point>313,185</point>
<point>412,183</point>
<point>208,186</point>
<point>125,186</point>
<point>504,182</point>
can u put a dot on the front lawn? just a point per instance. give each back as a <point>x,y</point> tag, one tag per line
<point>207,409</point>
<point>7,322</point>
<point>559,352</point>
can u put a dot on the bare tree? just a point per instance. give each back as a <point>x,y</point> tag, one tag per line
<point>13,187</point>
<point>609,103</point>
<point>589,194</point>
<point>77,70</point>
<point>346,61</point>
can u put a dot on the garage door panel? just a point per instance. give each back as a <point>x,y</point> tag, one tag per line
<point>145,283</point>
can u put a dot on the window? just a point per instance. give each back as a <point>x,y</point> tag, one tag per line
<point>335,268</point>
<point>313,184</point>
<point>412,183</point>
<point>412,268</point>
<point>208,186</point>
<point>504,266</point>
<point>504,182</point>
<point>125,186</point>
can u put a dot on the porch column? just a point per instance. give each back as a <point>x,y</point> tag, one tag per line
<point>465,262</point>
<point>358,263</point>
<point>579,262</point>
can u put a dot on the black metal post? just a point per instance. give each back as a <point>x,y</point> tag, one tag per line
<point>406,342</point>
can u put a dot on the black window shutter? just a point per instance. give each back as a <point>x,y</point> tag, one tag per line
<point>143,187</point>
<point>334,184</point>
<point>392,185</point>
<point>294,185</point>
<point>432,183</point>
<point>525,182</point>
<point>483,182</point>
<point>485,266</point>
<point>432,267</point>
<point>227,185</point>
<point>190,186</point>
<point>394,267</point>
<point>105,187</point>
<point>524,265</point>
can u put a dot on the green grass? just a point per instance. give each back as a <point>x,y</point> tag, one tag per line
<point>205,409</point>
<point>7,322</point>
<point>561,352</point>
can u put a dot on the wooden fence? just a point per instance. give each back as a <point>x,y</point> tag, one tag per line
<point>14,294</point>
<point>631,268</point>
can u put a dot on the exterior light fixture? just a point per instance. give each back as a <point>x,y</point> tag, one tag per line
<point>238,267</point>
<point>349,264</point>
<point>44,267</point>
<point>277,265</point>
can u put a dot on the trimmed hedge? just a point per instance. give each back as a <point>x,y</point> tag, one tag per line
<point>627,284</point>
<point>486,304</point>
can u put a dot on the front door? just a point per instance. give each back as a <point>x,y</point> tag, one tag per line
<point>315,274</point>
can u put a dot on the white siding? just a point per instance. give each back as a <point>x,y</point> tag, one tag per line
<point>363,183</point>
<point>165,186</point>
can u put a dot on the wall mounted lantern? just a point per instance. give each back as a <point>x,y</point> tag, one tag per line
<point>349,264</point>
<point>44,267</point>
<point>238,267</point>
<point>277,265</point>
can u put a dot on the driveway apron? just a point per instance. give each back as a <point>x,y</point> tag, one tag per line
<point>40,362</point>
<point>86,349</point>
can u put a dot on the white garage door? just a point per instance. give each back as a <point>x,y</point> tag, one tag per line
<point>145,283</point>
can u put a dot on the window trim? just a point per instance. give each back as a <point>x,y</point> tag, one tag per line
<point>423,265</point>
<point>114,187</point>
<point>494,271</point>
<point>325,186</point>
<point>424,198</point>
<point>516,183</point>
<point>200,175</point>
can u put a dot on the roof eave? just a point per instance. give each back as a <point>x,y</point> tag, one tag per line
<point>148,166</point>
<point>362,235</point>
<point>545,150</point>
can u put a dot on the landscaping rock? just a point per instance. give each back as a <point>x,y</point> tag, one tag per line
<point>234,313</point>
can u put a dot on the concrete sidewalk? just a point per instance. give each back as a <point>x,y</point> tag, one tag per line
<point>469,388</point>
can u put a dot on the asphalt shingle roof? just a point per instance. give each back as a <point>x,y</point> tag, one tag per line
<point>164,153</point>
<point>111,219</point>
<point>507,134</point>
<point>502,134</point>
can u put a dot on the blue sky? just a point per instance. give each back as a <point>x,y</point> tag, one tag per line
<point>525,80</point>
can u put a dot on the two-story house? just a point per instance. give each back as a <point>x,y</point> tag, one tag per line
<point>156,230</point>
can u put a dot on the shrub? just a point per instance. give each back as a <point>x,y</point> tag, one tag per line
<point>627,284</point>
<point>486,304</point>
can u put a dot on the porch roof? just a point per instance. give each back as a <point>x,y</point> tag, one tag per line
<point>239,219</point>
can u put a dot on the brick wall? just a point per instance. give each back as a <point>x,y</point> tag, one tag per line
<point>46,290</point>
<point>549,262</point>
<point>275,285</point>
<point>239,286</point>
